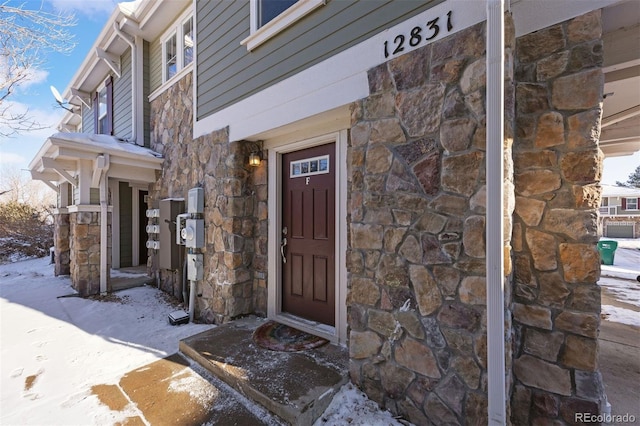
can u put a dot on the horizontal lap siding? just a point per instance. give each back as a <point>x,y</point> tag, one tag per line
<point>146,91</point>
<point>155,65</point>
<point>122,98</point>
<point>87,119</point>
<point>228,73</point>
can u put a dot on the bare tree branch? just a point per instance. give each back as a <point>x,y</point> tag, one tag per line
<point>26,36</point>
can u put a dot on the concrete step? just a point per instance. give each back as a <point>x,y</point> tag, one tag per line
<point>170,392</point>
<point>296,386</point>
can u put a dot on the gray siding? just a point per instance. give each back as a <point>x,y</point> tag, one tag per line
<point>146,91</point>
<point>122,98</point>
<point>94,195</point>
<point>126,237</point>
<point>155,64</point>
<point>227,73</point>
<point>88,126</point>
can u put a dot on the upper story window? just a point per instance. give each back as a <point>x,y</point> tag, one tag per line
<point>170,57</point>
<point>631,204</point>
<point>187,42</point>
<point>269,9</point>
<point>270,17</point>
<point>177,47</point>
<point>103,108</point>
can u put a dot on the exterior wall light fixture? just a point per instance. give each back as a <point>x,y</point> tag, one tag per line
<point>255,159</point>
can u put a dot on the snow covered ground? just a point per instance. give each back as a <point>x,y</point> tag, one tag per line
<point>56,347</point>
<point>620,279</point>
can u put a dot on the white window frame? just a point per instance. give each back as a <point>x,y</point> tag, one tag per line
<point>165,64</point>
<point>635,202</point>
<point>177,30</point>
<point>278,24</point>
<point>102,117</point>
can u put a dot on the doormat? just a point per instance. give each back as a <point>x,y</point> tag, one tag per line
<point>279,337</point>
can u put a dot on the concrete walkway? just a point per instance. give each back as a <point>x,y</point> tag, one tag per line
<point>619,355</point>
<point>619,361</point>
<point>171,392</point>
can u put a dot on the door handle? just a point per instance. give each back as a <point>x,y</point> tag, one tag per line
<point>283,244</point>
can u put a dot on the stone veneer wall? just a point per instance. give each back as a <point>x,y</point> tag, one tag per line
<point>557,167</point>
<point>61,232</point>
<point>235,252</point>
<point>85,251</point>
<point>416,216</point>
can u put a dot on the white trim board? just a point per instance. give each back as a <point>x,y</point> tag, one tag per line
<point>337,334</point>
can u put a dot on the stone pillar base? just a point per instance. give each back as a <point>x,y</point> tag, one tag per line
<point>85,250</point>
<point>62,262</point>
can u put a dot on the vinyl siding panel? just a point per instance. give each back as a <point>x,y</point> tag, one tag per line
<point>88,126</point>
<point>122,99</point>
<point>228,73</point>
<point>94,195</point>
<point>146,91</point>
<point>155,64</point>
<point>126,224</point>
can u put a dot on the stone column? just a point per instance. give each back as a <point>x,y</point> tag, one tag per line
<point>416,218</point>
<point>558,165</point>
<point>85,250</point>
<point>61,237</point>
<point>235,205</point>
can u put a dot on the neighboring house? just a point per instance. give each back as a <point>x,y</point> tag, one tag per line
<point>620,212</point>
<point>362,180</point>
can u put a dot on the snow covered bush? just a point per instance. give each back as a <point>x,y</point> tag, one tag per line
<point>26,231</point>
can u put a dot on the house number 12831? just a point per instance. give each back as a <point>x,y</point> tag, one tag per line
<point>416,36</point>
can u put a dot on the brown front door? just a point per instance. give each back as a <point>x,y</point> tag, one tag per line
<point>308,233</point>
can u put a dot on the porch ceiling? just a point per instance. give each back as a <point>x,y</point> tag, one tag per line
<point>58,158</point>
<point>621,109</point>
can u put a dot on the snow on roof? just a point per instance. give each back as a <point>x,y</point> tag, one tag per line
<point>619,191</point>
<point>104,142</point>
<point>129,7</point>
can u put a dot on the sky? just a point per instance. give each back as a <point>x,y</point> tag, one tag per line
<point>58,69</point>
<point>18,151</point>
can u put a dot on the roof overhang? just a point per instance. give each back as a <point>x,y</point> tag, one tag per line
<point>58,160</point>
<point>145,18</point>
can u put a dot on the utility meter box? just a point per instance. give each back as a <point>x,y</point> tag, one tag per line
<point>195,203</point>
<point>181,223</point>
<point>169,256</point>
<point>195,267</point>
<point>193,233</point>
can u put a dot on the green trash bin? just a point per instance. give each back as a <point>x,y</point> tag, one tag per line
<point>607,251</point>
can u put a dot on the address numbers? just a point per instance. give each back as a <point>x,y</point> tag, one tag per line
<point>417,35</point>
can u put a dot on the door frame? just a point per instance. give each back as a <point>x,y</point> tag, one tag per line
<point>337,334</point>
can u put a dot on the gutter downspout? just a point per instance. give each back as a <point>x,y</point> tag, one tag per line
<point>496,367</point>
<point>103,163</point>
<point>134,80</point>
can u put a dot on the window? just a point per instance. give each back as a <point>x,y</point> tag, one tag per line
<point>103,108</point>
<point>269,9</point>
<point>177,48</point>
<point>170,57</point>
<point>187,42</point>
<point>309,167</point>
<point>631,204</point>
<point>270,17</point>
